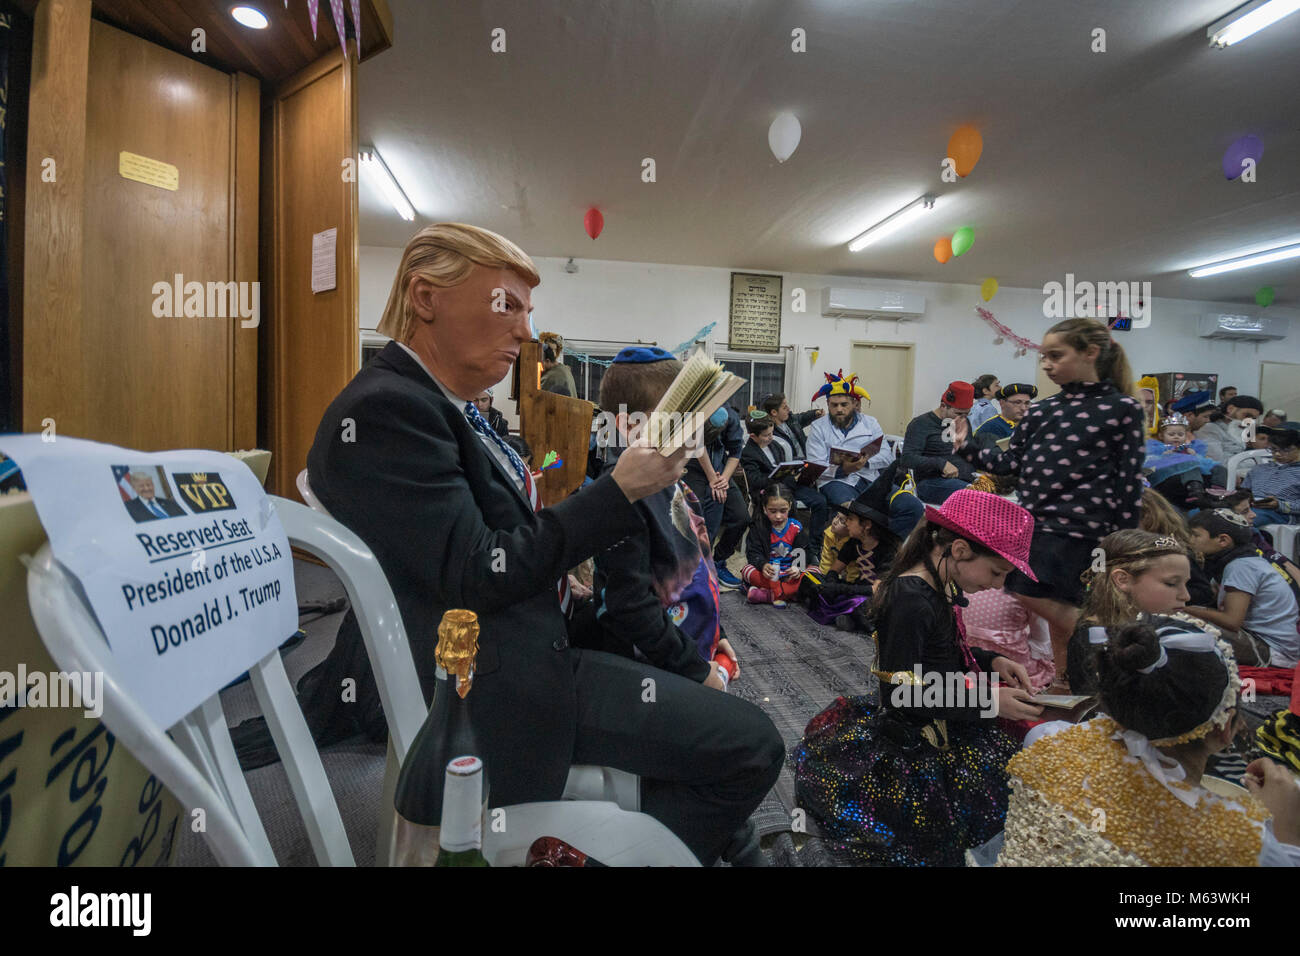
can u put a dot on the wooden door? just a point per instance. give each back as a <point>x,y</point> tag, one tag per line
<point>113,356</point>
<point>885,371</point>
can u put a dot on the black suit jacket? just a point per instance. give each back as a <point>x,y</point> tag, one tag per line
<point>757,467</point>
<point>438,511</point>
<point>140,513</point>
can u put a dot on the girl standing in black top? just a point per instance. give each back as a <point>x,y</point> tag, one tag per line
<point>1078,457</point>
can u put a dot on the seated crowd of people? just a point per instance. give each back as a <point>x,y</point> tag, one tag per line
<point>1077,545</point>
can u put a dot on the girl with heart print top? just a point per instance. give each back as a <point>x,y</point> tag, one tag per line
<point>1078,459</point>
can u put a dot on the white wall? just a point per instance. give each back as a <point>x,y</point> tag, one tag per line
<point>666,304</point>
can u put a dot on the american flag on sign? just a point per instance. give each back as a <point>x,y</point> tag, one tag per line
<point>122,475</point>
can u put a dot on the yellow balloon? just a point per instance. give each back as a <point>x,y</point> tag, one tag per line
<point>989,289</point>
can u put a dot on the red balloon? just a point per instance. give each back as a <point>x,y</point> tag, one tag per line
<point>594,222</point>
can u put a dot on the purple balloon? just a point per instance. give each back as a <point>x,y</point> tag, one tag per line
<point>1246,147</point>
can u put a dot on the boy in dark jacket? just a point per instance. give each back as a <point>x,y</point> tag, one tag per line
<point>656,594</point>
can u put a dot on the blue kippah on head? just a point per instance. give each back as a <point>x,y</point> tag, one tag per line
<point>719,418</point>
<point>643,353</point>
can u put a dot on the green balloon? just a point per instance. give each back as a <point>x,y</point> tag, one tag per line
<point>962,240</point>
<point>1263,295</point>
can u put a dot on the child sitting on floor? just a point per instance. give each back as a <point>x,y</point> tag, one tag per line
<point>777,549</point>
<point>997,622</point>
<point>841,593</point>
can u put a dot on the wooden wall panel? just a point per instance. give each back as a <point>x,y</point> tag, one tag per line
<point>52,291</point>
<point>246,142</point>
<point>312,340</point>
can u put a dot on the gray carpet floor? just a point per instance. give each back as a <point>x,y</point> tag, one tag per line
<point>790,667</point>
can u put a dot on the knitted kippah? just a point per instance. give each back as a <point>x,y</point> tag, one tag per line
<point>640,354</point>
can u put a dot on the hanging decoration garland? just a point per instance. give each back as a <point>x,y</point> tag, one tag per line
<point>340,27</point>
<point>1023,345</point>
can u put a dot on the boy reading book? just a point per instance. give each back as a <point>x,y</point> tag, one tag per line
<point>656,594</point>
<point>762,459</point>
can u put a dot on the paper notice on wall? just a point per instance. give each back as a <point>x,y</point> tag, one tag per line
<point>182,557</point>
<point>324,258</point>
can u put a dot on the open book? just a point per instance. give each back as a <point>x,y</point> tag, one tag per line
<point>1076,708</point>
<point>869,450</point>
<point>699,390</point>
<point>804,472</point>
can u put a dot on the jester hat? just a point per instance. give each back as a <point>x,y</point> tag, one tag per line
<point>839,385</point>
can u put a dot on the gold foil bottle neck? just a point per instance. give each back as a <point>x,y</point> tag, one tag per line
<point>457,647</point>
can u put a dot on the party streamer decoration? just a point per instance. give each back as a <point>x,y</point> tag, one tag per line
<point>1023,345</point>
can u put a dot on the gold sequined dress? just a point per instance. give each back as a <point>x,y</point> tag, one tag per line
<point>1081,798</point>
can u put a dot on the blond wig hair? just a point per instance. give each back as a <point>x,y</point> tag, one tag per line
<point>444,254</point>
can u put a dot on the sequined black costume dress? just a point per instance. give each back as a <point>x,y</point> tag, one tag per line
<point>901,784</point>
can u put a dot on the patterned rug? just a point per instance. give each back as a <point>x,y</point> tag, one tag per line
<point>792,668</point>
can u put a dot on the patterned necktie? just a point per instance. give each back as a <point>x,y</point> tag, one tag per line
<point>483,428</point>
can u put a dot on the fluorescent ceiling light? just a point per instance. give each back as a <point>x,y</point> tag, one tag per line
<point>250,17</point>
<point>373,165</point>
<point>1248,20</point>
<point>1246,262</point>
<point>892,223</point>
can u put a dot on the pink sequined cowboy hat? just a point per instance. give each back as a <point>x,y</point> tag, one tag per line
<point>994,522</point>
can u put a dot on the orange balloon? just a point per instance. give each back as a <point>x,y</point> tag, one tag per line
<point>943,249</point>
<point>964,148</point>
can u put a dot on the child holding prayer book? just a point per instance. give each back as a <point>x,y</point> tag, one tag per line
<point>777,549</point>
<point>656,593</point>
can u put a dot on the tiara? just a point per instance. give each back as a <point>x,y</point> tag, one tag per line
<point>1176,418</point>
<point>1166,542</point>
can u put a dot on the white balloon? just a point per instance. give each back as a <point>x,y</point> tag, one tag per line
<point>783,136</point>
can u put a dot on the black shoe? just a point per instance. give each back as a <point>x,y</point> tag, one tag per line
<point>743,848</point>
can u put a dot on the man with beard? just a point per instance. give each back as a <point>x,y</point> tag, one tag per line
<point>849,473</point>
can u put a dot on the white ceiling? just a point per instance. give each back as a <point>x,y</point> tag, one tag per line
<point>1106,165</point>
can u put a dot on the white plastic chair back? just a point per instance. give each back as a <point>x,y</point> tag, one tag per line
<point>1243,461</point>
<point>197,763</point>
<point>584,782</point>
<point>1286,538</point>
<point>304,489</point>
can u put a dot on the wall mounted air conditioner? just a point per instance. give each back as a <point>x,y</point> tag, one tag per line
<point>1244,328</point>
<point>866,304</point>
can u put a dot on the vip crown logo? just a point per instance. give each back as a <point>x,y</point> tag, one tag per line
<point>199,476</point>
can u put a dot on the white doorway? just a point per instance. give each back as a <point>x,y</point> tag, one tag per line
<point>1279,387</point>
<point>884,369</point>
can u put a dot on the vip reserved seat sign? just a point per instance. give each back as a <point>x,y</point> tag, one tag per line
<point>180,553</point>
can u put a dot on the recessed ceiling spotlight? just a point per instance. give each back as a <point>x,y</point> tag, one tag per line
<point>250,17</point>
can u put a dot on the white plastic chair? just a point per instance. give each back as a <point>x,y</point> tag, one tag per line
<point>1249,458</point>
<point>197,763</point>
<point>1286,538</point>
<point>585,783</point>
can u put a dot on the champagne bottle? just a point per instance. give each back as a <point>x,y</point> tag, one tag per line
<point>447,733</point>
<point>552,851</point>
<point>460,839</point>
